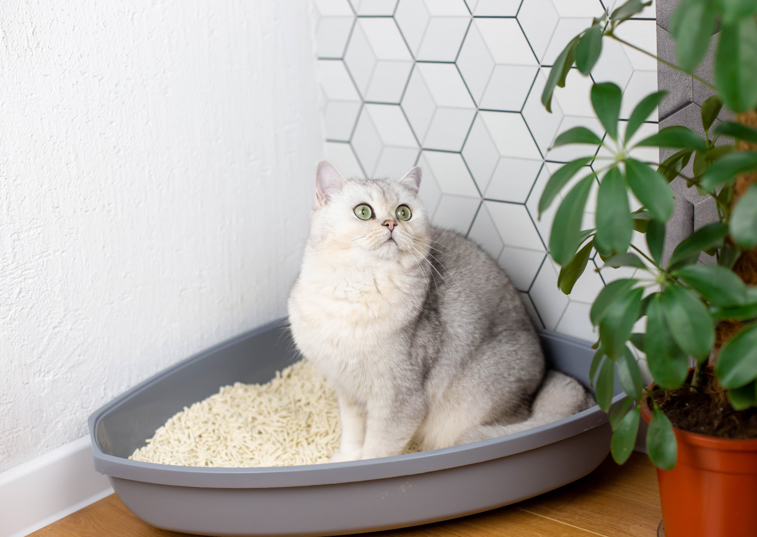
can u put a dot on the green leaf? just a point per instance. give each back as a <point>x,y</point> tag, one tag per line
<point>709,236</point>
<point>637,340</point>
<point>588,49</point>
<point>628,10</point>
<point>737,130</point>
<point>734,10</point>
<point>710,110</point>
<point>661,441</point>
<point>558,180</point>
<point>629,375</point>
<point>651,189</point>
<point>725,170</point>
<point>561,67</point>
<point>729,254</point>
<point>627,259</point>
<point>656,240</point>
<point>617,322</point>
<point>736,64</point>
<point>605,98</point>
<point>619,411</point>
<point>624,437</point>
<point>577,135</point>
<point>595,363</point>
<point>675,137</point>
<point>690,322</point>
<point>642,111</point>
<point>744,397</point>
<point>607,296</point>
<point>570,273</point>
<point>737,362</point>
<point>739,313</point>
<point>605,385</point>
<point>641,220</point>
<point>744,220</point>
<point>668,365</point>
<point>676,162</point>
<point>692,25</point>
<point>717,284</point>
<point>566,228</point>
<point>614,222</point>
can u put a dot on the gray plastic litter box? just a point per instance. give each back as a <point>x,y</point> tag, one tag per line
<point>339,498</point>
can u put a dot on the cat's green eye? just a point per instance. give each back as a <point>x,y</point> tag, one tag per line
<point>403,213</point>
<point>363,211</point>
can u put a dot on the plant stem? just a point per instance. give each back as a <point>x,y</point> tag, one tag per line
<point>696,382</point>
<point>665,62</point>
<point>645,256</point>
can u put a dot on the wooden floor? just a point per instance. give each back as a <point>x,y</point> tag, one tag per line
<point>613,501</point>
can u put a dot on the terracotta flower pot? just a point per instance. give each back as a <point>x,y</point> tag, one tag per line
<point>712,491</point>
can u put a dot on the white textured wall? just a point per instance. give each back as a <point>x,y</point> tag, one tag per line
<point>155,183</point>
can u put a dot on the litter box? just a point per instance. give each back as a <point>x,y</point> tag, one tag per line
<point>338,498</point>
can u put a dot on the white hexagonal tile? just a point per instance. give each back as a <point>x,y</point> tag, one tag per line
<point>434,29</point>
<point>642,83</point>
<point>331,36</point>
<point>643,34</point>
<point>333,8</point>
<point>576,322</point>
<point>579,8</point>
<point>484,233</point>
<point>429,192</point>
<point>342,156</point>
<point>520,265</point>
<point>543,223</point>
<point>550,302</point>
<point>378,59</point>
<point>513,180</point>
<point>538,18</point>
<point>480,154</point>
<point>528,303</point>
<point>514,225</point>
<point>374,7</point>
<point>456,213</point>
<point>493,8</point>
<point>383,141</point>
<point>543,125</point>
<point>506,41</point>
<point>450,173</point>
<point>341,101</point>
<point>438,106</point>
<point>575,97</point>
<point>476,63</point>
<point>508,87</point>
<point>613,65</point>
<point>510,135</point>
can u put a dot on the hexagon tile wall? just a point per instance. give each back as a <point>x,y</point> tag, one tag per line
<point>455,87</point>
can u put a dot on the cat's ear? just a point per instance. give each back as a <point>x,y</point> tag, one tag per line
<point>328,181</point>
<point>412,179</point>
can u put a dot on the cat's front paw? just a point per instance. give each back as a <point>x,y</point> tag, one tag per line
<point>345,456</point>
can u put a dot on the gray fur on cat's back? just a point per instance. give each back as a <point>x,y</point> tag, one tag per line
<point>473,327</point>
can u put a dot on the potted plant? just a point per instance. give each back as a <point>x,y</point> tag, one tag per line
<point>702,432</point>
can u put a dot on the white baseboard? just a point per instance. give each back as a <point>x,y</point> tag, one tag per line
<point>48,488</point>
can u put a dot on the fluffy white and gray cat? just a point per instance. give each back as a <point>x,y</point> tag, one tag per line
<point>419,331</point>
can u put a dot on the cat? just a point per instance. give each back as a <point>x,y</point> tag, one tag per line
<point>418,330</point>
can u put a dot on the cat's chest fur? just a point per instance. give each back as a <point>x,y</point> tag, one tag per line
<point>351,320</point>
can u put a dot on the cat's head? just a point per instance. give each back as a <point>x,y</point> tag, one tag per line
<point>373,218</point>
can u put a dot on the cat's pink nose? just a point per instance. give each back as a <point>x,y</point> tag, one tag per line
<point>390,224</point>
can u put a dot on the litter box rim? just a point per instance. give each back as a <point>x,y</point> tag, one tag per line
<point>333,473</point>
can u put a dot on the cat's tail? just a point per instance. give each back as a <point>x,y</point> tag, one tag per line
<point>560,396</point>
